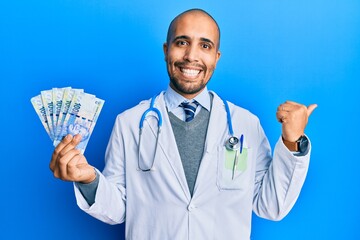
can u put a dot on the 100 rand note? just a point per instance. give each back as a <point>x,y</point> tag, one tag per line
<point>80,118</point>
<point>47,99</point>
<point>58,96</point>
<point>41,112</point>
<point>68,96</point>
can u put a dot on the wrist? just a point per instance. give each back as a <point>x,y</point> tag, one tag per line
<point>91,178</point>
<point>299,145</point>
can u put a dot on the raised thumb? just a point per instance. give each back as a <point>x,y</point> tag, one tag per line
<point>311,108</point>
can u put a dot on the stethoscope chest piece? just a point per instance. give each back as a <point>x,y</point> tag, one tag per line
<point>233,143</point>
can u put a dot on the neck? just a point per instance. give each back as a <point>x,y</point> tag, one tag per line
<point>186,95</point>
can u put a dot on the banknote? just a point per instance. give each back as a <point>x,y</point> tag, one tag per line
<point>67,98</point>
<point>65,111</point>
<point>79,118</point>
<point>47,100</point>
<point>58,94</point>
<point>41,112</point>
<point>100,104</point>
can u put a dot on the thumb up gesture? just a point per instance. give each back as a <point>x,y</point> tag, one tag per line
<point>294,118</point>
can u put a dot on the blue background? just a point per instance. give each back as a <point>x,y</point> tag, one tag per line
<point>306,51</point>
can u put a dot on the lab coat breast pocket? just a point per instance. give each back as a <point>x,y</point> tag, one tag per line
<point>232,175</point>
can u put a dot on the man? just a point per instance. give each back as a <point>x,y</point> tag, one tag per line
<point>183,183</point>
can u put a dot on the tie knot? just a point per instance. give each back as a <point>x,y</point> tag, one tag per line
<point>189,109</point>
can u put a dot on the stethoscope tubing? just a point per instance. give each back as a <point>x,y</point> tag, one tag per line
<point>228,115</point>
<point>233,143</point>
<point>151,109</point>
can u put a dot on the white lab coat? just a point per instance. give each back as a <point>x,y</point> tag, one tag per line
<point>158,204</point>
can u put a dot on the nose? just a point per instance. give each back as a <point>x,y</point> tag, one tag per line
<point>191,54</point>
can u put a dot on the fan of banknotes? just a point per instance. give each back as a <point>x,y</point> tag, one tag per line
<point>67,110</point>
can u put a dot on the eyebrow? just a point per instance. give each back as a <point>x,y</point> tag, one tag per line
<point>188,38</point>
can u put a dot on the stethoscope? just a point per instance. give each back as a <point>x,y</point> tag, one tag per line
<point>232,144</point>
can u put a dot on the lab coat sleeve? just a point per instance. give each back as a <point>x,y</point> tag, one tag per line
<point>110,199</point>
<point>278,179</point>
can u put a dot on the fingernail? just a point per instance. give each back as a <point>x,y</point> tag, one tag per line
<point>67,137</point>
<point>77,137</point>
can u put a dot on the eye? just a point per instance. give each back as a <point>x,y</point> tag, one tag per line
<point>206,46</point>
<point>181,43</point>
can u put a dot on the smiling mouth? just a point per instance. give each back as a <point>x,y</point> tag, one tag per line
<point>190,72</point>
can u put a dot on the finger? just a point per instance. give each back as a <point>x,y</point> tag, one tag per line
<point>71,145</point>
<point>78,170</point>
<point>281,116</point>
<point>64,162</point>
<point>72,165</point>
<point>66,140</point>
<point>292,103</point>
<point>59,161</point>
<point>287,106</point>
<point>311,108</point>
<point>281,108</point>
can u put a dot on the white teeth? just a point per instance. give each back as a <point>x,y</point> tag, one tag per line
<point>190,72</point>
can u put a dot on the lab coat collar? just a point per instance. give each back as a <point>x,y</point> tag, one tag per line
<point>174,99</point>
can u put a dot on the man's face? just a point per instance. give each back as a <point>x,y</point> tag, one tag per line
<point>192,53</point>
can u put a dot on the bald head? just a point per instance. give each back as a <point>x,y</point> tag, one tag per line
<point>194,12</point>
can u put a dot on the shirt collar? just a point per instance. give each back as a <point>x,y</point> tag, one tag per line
<point>173,99</point>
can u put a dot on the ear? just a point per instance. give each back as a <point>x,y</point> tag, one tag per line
<point>218,54</point>
<point>165,49</point>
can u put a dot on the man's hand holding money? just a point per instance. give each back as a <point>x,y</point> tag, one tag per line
<point>69,117</point>
<point>69,164</point>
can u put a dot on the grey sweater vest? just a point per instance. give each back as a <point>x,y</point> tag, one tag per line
<point>190,139</point>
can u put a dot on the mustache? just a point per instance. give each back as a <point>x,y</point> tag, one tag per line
<point>184,64</point>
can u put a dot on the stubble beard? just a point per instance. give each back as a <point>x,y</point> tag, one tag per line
<point>185,87</point>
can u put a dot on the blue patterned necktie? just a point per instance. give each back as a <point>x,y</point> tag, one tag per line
<point>189,108</point>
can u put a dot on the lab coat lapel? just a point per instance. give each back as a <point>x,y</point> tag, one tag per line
<point>217,132</point>
<point>218,126</point>
<point>168,145</point>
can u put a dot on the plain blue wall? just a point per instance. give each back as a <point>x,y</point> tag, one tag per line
<point>306,51</point>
